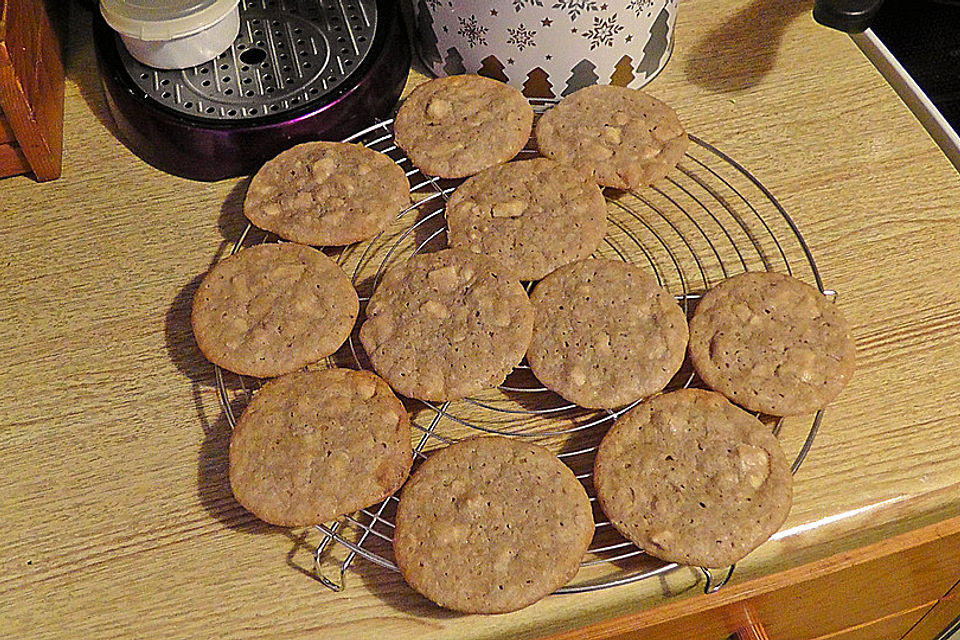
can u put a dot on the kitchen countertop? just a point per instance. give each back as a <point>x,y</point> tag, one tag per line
<point>117,514</point>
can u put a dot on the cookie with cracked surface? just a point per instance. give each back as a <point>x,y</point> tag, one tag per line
<point>491,525</point>
<point>457,126</point>
<point>272,309</point>
<point>532,216</point>
<point>621,137</point>
<point>445,325</point>
<point>605,333</point>
<point>327,193</point>
<point>315,445</point>
<point>693,479</point>
<point>771,344</point>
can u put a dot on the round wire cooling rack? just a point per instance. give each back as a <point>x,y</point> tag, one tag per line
<point>708,220</point>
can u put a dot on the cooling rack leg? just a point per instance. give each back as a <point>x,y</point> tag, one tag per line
<point>318,559</point>
<point>712,585</point>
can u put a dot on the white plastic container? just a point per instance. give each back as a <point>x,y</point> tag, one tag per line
<point>174,34</point>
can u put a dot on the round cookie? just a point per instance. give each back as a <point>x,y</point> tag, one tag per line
<point>531,216</point>
<point>327,193</point>
<point>605,333</point>
<point>771,344</point>
<point>315,445</point>
<point>693,479</point>
<point>490,525</point>
<point>444,325</point>
<point>457,126</point>
<point>273,308</point>
<point>620,137</point>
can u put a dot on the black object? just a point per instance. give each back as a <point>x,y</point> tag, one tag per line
<point>213,140</point>
<point>852,16</point>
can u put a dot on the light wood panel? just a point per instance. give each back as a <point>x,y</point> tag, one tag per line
<point>118,518</point>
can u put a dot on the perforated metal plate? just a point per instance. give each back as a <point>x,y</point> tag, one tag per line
<point>288,53</point>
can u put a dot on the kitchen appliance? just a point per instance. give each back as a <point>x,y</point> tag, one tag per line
<point>298,70</point>
<point>916,46</point>
<point>547,49</point>
<point>172,34</point>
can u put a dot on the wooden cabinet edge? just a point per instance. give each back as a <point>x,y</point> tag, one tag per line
<point>738,594</point>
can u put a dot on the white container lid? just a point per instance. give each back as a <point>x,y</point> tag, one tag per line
<point>163,19</point>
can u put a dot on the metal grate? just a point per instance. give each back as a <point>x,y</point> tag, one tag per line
<point>288,53</point>
<point>709,220</point>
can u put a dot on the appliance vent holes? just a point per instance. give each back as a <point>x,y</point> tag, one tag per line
<point>253,56</point>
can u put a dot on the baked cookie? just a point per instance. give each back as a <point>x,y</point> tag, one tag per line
<point>273,308</point>
<point>457,126</point>
<point>327,193</point>
<point>315,445</point>
<point>530,216</point>
<point>444,325</point>
<point>693,479</point>
<point>620,137</point>
<point>490,525</point>
<point>605,333</point>
<point>771,343</point>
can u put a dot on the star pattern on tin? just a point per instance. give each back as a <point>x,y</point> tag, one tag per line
<point>521,37</point>
<point>546,22</point>
<point>603,31</point>
<point>474,32</point>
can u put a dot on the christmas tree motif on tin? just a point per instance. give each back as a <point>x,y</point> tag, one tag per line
<point>426,38</point>
<point>454,64</point>
<point>656,46</point>
<point>491,67</point>
<point>538,85</point>
<point>623,72</point>
<point>582,75</point>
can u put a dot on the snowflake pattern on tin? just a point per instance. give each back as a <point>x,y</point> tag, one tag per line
<point>474,32</point>
<point>639,6</point>
<point>521,37</point>
<point>575,7</point>
<point>603,31</point>
<point>520,4</point>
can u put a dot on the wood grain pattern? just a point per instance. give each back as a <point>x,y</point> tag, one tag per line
<point>31,84</point>
<point>938,618</point>
<point>118,519</point>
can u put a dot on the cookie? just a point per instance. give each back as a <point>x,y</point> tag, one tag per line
<point>445,325</point>
<point>693,479</point>
<point>771,343</point>
<point>457,126</point>
<point>490,525</point>
<point>605,333</point>
<point>273,308</point>
<point>530,216</point>
<point>327,193</point>
<point>315,445</point>
<point>620,137</point>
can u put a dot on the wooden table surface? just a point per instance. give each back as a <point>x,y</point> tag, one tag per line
<point>117,518</point>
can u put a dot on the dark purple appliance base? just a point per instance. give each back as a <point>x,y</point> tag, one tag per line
<point>201,150</point>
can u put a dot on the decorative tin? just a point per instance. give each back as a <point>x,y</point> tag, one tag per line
<point>547,48</point>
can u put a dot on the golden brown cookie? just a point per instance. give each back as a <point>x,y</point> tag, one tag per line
<point>490,525</point>
<point>457,126</point>
<point>327,193</point>
<point>620,137</point>
<point>605,333</point>
<point>530,216</point>
<point>444,325</point>
<point>315,445</point>
<point>693,479</point>
<point>772,344</point>
<point>273,308</point>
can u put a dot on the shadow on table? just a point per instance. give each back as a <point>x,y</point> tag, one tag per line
<point>738,54</point>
